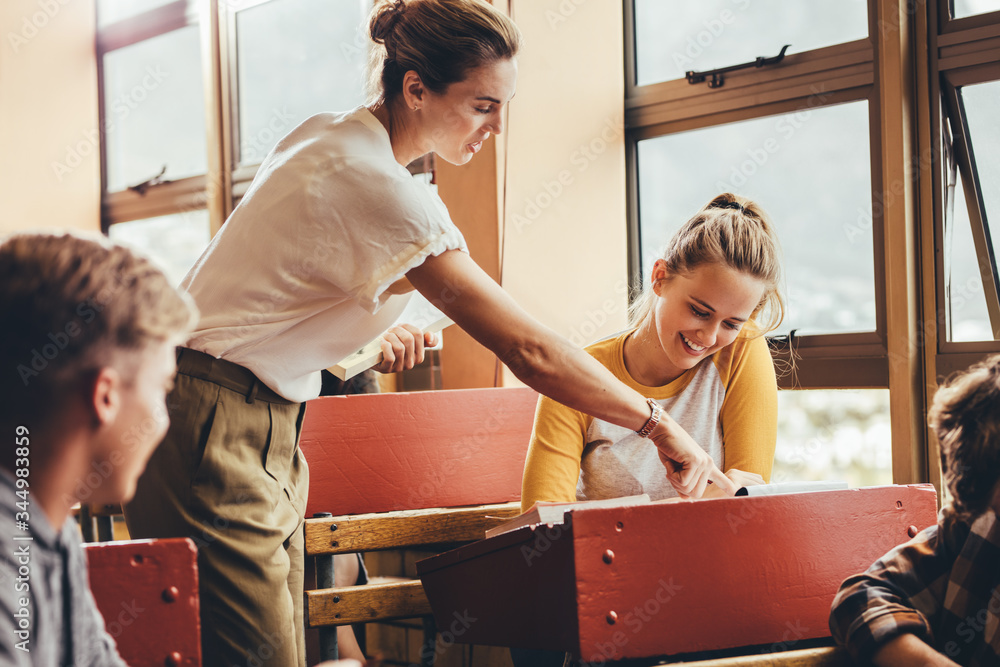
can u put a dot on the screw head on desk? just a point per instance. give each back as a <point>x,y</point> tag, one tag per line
<point>333,527</point>
<point>612,617</point>
<point>609,556</point>
<point>173,660</point>
<point>912,531</point>
<point>171,594</point>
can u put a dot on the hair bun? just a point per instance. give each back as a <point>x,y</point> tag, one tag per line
<point>385,19</point>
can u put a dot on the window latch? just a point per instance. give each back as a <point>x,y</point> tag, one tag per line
<point>150,182</point>
<point>716,75</point>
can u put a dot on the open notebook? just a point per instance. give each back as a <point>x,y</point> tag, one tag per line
<point>543,512</point>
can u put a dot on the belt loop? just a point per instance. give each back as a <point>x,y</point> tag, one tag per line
<point>252,394</point>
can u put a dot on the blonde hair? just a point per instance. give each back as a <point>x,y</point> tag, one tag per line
<point>965,417</point>
<point>440,40</point>
<point>69,304</point>
<point>729,230</point>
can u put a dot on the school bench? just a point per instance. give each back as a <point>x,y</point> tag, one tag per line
<point>750,574</point>
<point>393,471</point>
<point>147,591</point>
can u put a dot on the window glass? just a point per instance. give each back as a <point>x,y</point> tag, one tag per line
<point>675,36</point>
<point>964,8</point>
<point>296,58</point>
<point>810,171</point>
<point>154,110</point>
<point>981,102</point>
<point>172,241</point>
<point>968,318</point>
<point>110,11</point>
<point>834,435</point>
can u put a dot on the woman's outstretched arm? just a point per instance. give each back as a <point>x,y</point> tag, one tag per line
<point>551,365</point>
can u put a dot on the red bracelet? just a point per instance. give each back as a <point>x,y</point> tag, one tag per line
<point>654,419</point>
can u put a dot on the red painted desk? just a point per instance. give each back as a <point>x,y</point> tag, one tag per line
<point>665,579</point>
<point>147,591</point>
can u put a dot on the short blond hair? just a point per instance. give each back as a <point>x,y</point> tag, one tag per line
<point>69,304</point>
<point>733,231</point>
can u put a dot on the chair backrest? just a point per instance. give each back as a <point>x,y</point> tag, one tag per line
<point>404,470</point>
<point>147,591</point>
<point>407,451</point>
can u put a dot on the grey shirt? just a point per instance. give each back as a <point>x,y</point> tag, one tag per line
<point>48,617</point>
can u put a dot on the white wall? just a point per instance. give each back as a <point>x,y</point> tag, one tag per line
<point>565,247</point>
<point>49,162</point>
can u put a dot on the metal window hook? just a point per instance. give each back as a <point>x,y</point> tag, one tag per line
<point>150,182</point>
<point>716,75</point>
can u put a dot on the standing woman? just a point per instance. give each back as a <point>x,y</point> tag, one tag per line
<point>696,346</point>
<point>316,261</point>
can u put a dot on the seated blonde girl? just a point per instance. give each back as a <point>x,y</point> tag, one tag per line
<point>696,346</point>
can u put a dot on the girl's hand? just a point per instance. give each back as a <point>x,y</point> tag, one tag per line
<point>739,478</point>
<point>689,467</point>
<point>403,348</point>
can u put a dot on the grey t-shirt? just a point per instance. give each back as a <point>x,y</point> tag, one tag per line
<point>48,617</point>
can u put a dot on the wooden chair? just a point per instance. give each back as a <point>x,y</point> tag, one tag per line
<point>391,471</point>
<point>811,657</point>
<point>147,591</point>
<point>97,521</point>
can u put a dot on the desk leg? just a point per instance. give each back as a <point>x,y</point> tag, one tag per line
<point>430,639</point>
<point>324,579</point>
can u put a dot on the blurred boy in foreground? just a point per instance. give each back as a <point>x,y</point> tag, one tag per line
<point>936,599</point>
<point>87,356</point>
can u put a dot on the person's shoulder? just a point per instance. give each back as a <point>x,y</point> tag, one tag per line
<point>957,532</point>
<point>347,135</point>
<point>749,341</point>
<point>608,349</point>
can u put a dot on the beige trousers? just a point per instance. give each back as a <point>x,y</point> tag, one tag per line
<point>230,476</point>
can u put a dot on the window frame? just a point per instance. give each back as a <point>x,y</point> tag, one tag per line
<point>962,52</point>
<point>842,73</point>
<point>176,196</point>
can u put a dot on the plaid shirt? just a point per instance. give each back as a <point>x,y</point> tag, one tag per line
<point>943,586</point>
